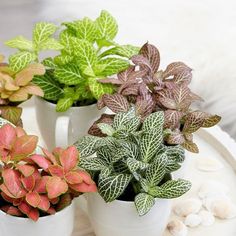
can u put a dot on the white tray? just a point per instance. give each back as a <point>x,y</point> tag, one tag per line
<point>212,142</point>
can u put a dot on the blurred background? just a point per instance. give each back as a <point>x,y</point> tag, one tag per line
<point>200,33</point>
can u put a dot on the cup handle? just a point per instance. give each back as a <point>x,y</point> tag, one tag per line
<point>62,131</point>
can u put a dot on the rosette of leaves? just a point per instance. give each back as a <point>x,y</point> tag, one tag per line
<point>17,87</point>
<point>151,89</point>
<point>33,185</point>
<point>89,53</point>
<point>131,162</point>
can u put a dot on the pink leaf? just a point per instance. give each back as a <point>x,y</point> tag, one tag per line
<point>28,182</point>
<point>41,161</point>
<point>11,210</point>
<point>56,187</point>
<point>56,170</point>
<point>7,136</point>
<point>51,211</point>
<point>69,158</point>
<point>11,179</point>
<point>50,156</point>
<point>73,177</point>
<point>26,170</point>
<point>5,191</point>
<point>44,203</point>
<point>25,145</point>
<point>20,132</point>
<point>34,90</point>
<point>40,186</point>
<point>33,214</point>
<point>33,199</point>
<point>175,68</point>
<point>84,188</point>
<point>85,176</point>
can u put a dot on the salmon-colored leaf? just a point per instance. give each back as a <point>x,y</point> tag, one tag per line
<point>56,187</point>
<point>85,176</point>
<point>41,161</point>
<point>40,185</point>
<point>34,90</point>
<point>69,158</point>
<point>28,182</point>
<point>73,177</point>
<point>84,188</point>
<point>32,199</point>
<point>11,210</point>
<point>50,156</point>
<point>26,170</point>
<point>56,170</point>
<point>33,214</point>
<point>7,135</point>
<point>44,203</point>
<point>20,131</point>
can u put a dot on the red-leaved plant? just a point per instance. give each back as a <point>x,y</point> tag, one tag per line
<point>34,185</point>
<point>150,90</point>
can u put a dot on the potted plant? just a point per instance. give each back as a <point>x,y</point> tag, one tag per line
<point>87,52</point>
<point>37,190</point>
<point>150,90</point>
<point>16,87</point>
<point>132,167</point>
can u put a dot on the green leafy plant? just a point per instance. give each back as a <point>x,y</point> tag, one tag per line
<point>17,87</point>
<point>87,53</point>
<point>131,162</point>
<point>151,89</point>
<point>33,185</point>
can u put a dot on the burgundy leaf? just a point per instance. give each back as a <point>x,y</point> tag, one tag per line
<point>152,54</point>
<point>116,102</point>
<point>183,77</point>
<point>175,68</point>
<point>175,138</point>
<point>142,61</point>
<point>172,119</point>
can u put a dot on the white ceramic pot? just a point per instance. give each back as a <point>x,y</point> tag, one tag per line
<point>62,129</point>
<point>60,224</point>
<point>119,218</point>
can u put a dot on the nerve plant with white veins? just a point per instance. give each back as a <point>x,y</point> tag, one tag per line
<point>131,162</point>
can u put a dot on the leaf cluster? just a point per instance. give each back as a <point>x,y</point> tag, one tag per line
<point>35,185</point>
<point>131,162</point>
<point>87,52</point>
<point>151,89</point>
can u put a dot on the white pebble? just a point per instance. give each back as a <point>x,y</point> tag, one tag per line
<point>207,218</point>
<point>223,208</point>
<point>209,164</point>
<point>211,188</point>
<point>208,201</point>
<point>188,206</point>
<point>177,228</point>
<point>193,220</point>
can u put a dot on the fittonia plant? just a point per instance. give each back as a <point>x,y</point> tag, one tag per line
<point>151,89</point>
<point>87,52</point>
<point>131,163</point>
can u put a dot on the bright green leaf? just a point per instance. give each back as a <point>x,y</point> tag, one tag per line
<point>64,104</point>
<point>20,43</point>
<point>51,43</point>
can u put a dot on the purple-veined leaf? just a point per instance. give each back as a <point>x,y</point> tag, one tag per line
<point>183,77</point>
<point>110,81</point>
<point>194,121</point>
<point>175,68</point>
<point>116,102</point>
<point>175,138</point>
<point>190,146</point>
<point>167,102</point>
<point>152,54</point>
<point>142,61</point>
<point>172,118</point>
<point>181,96</point>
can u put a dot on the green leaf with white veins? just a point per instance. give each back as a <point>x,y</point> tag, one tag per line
<point>51,88</point>
<point>42,32</point>
<point>84,52</point>
<point>154,121</point>
<point>111,187</point>
<point>66,40</point>
<point>106,129</point>
<point>173,189</point>
<point>111,66</point>
<point>64,104</point>
<point>86,29</point>
<point>51,43</point>
<point>68,74</point>
<point>156,171</point>
<point>87,145</point>
<point>143,203</point>
<point>122,50</point>
<point>149,144</point>
<point>107,26</point>
<point>20,60</point>
<point>93,164</point>
<point>98,89</point>
<point>134,164</point>
<point>20,43</point>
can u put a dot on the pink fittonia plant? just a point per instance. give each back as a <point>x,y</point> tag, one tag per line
<point>35,185</point>
<point>149,89</point>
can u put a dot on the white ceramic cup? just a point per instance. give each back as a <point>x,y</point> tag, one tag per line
<point>60,224</point>
<point>63,129</point>
<point>120,218</point>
